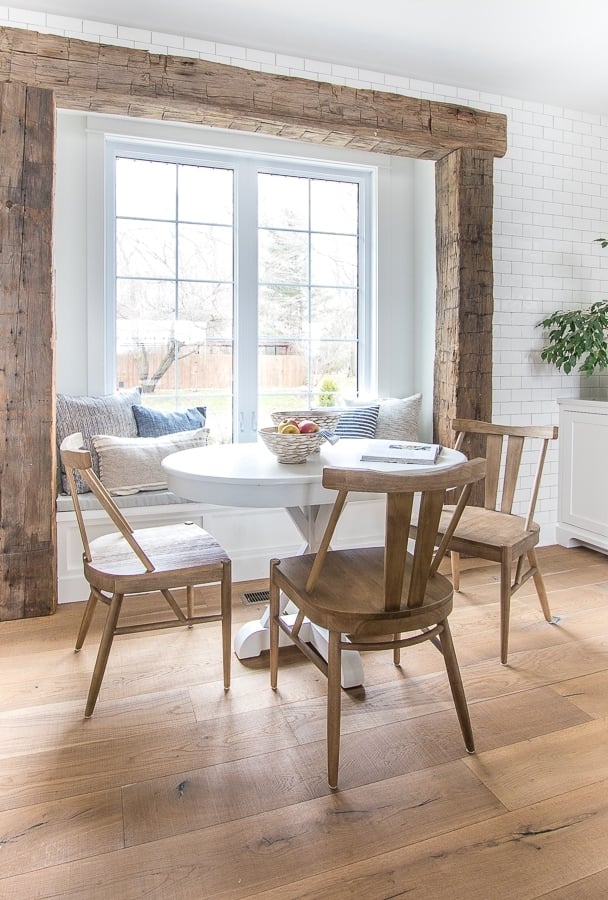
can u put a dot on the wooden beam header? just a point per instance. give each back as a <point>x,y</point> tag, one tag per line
<point>122,81</point>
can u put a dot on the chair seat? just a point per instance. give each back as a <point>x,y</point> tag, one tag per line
<point>485,528</point>
<point>177,551</point>
<point>349,594</point>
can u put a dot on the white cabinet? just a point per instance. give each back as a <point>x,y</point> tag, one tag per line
<point>583,473</point>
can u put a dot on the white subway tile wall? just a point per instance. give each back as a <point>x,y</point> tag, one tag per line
<point>550,202</point>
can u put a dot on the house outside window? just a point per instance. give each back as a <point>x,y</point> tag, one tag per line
<point>237,282</point>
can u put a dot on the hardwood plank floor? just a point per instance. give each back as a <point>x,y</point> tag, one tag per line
<point>177,791</point>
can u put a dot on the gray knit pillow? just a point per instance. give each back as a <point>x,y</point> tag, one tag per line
<point>110,414</point>
<point>398,419</point>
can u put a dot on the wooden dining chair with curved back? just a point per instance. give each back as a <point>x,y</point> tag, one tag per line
<point>368,598</point>
<point>493,532</point>
<point>128,562</point>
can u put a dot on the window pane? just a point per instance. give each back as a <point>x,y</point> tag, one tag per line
<point>145,333</point>
<point>142,299</point>
<point>308,236</point>
<point>283,366</point>
<point>334,312</point>
<point>283,257</point>
<point>283,201</point>
<point>133,194</point>
<point>145,249</point>
<point>209,303</point>
<point>334,362</point>
<point>333,260</point>
<point>334,206</point>
<point>282,311</point>
<point>205,252</point>
<point>205,194</point>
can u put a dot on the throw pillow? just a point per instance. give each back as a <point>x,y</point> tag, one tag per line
<point>358,423</point>
<point>110,414</point>
<point>130,465</point>
<point>398,418</point>
<point>154,423</point>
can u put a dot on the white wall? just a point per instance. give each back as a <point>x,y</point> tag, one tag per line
<point>551,200</point>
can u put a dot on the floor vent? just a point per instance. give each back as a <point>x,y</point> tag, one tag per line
<point>250,597</point>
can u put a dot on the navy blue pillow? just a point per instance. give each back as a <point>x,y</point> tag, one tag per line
<point>359,422</point>
<point>153,423</point>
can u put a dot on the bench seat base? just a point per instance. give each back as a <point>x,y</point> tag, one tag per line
<point>251,536</point>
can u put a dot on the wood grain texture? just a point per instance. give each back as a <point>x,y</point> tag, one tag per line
<point>465,301</point>
<point>27,385</point>
<point>175,789</point>
<point>117,80</point>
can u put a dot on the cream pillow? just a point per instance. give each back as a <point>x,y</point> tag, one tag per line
<point>397,417</point>
<point>129,465</point>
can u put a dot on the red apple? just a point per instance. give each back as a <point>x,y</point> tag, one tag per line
<point>308,427</point>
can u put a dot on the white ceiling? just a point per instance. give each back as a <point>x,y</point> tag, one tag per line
<point>552,51</point>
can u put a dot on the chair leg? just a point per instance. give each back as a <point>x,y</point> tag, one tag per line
<point>455,564</point>
<point>396,651</point>
<point>505,605</point>
<point>539,585</point>
<point>226,607</point>
<point>334,700</point>
<point>86,620</point>
<point>460,700</point>
<point>274,627</point>
<point>190,603</point>
<point>103,653</point>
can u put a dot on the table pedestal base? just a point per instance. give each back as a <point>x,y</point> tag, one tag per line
<point>254,637</point>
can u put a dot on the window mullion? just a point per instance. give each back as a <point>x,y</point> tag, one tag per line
<point>246,303</point>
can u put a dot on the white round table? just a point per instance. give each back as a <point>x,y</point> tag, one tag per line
<point>248,475</point>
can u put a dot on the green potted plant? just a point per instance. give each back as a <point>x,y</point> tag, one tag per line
<point>328,391</point>
<point>577,337</point>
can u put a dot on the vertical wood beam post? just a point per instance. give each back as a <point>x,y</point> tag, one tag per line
<point>28,576</point>
<point>465,302</point>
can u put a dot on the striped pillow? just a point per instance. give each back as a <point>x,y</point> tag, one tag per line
<point>358,423</point>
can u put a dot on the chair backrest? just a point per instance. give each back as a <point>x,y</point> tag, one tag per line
<point>515,436</point>
<point>75,456</point>
<point>400,488</point>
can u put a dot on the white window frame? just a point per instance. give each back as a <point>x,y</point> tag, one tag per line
<point>246,166</point>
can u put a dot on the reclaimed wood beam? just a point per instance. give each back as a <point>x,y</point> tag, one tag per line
<point>123,81</point>
<point>465,298</point>
<point>27,346</point>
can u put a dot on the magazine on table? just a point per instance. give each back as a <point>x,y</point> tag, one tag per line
<point>403,452</point>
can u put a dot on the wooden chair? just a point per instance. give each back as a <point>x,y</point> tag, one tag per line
<point>373,595</point>
<point>493,532</point>
<point>134,562</point>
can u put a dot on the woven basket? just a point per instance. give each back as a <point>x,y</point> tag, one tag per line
<point>325,418</point>
<point>290,448</point>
